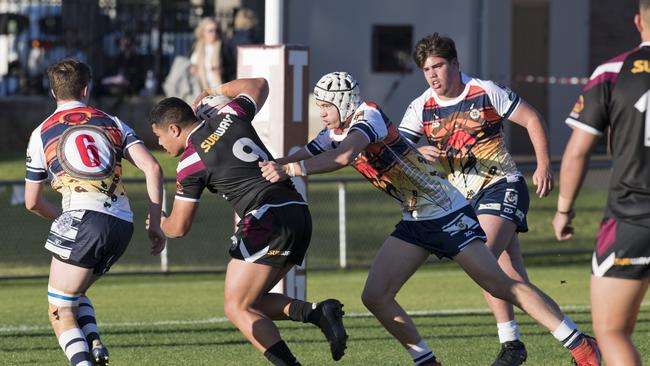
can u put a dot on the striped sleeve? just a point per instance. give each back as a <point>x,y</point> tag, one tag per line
<point>504,100</point>
<point>411,127</point>
<point>589,113</point>
<point>371,123</point>
<point>321,143</point>
<point>190,174</point>
<point>36,165</point>
<point>129,137</point>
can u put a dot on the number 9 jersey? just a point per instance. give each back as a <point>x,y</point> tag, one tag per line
<point>222,154</point>
<point>82,148</point>
<point>618,96</point>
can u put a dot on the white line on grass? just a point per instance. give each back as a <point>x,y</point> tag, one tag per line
<point>216,320</point>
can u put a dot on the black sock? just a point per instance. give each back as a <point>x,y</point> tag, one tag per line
<point>280,355</point>
<point>300,311</point>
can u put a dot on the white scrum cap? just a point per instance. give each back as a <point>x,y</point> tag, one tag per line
<point>340,89</point>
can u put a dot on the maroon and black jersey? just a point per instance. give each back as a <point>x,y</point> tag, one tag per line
<point>222,155</point>
<point>618,97</point>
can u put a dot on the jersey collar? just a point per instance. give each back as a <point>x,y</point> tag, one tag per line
<point>643,44</point>
<point>447,102</point>
<point>69,105</point>
<point>187,139</point>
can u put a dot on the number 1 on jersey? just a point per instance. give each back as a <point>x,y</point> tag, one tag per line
<point>642,105</point>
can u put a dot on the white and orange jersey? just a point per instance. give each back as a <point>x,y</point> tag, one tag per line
<point>394,166</point>
<point>469,131</point>
<point>82,148</point>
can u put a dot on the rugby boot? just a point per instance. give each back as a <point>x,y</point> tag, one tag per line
<point>587,352</point>
<point>331,324</point>
<point>99,353</point>
<point>512,353</point>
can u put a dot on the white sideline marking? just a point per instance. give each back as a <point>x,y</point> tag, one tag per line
<point>216,320</point>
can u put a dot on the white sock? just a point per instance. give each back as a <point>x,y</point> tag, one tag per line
<point>420,353</point>
<point>86,319</point>
<point>567,332</point>
<point>508,331</point>
<point>74,345</point>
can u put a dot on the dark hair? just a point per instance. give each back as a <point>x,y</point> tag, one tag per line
<point>434,45</point>
<point>68,78</point>
<point>172,110</point>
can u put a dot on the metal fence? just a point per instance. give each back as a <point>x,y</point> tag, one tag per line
<point>351,220</point>
<point>36,33</point>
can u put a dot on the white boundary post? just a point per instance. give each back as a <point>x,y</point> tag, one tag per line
<point>343,262</point>
<point>163,254</point>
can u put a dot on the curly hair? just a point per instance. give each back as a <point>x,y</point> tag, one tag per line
<point>434,45</point>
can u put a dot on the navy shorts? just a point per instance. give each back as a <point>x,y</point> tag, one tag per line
<point>445,236</point>
<point>507,198</point>
<point>274,235</point>
<point>622,250</point>
<point>89,239</point>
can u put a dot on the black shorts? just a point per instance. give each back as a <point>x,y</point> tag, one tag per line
<point>445,236</point>
<point>89,239</point>
<point>622,250</point>
<point>507,198</point>
<point>274,235</point>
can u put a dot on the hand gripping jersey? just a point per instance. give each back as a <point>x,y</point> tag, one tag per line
<point>222,155</point>
<point>82,148</point>
<point>394,166</point>
<point>618,96</point>
<point>469,131</point>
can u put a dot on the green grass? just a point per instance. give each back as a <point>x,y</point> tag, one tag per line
<point>178,320</point>
<point>371,216</point>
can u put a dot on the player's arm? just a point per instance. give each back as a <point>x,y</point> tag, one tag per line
<point>179,221</point>
<point>328,161</point>
<point>256,88</point>
<point>139,156</point>
<point>526,116</point>
<point>37,203</point>
<point>572,174</point>
<point>301,154</point>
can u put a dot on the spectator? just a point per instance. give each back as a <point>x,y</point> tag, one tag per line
<point>207,57</point>
<point>125,74</point>
<point>245,32</point>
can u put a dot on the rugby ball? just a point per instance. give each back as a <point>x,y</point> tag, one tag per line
<point>210,105</point>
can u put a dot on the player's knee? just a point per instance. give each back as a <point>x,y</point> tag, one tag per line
<point>503,290</point>
<point>233,309</point>
<point>373,297</point>
<point>62,308</point>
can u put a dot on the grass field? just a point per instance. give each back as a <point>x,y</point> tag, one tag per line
<point>179,320</point>
<point>371,216</point>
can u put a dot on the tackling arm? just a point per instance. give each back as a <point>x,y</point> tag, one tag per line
<point>328,161</point>
<point>526,116</point>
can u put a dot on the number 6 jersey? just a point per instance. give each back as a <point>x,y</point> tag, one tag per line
<point>618,96</point>
<point>82,148</point>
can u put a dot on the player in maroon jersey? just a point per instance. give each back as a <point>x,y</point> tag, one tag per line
<point>221,154</point>
<point>615,101</point>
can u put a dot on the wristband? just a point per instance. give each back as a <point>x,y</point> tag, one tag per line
<point>303,171</point>
<point>292,170</point>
